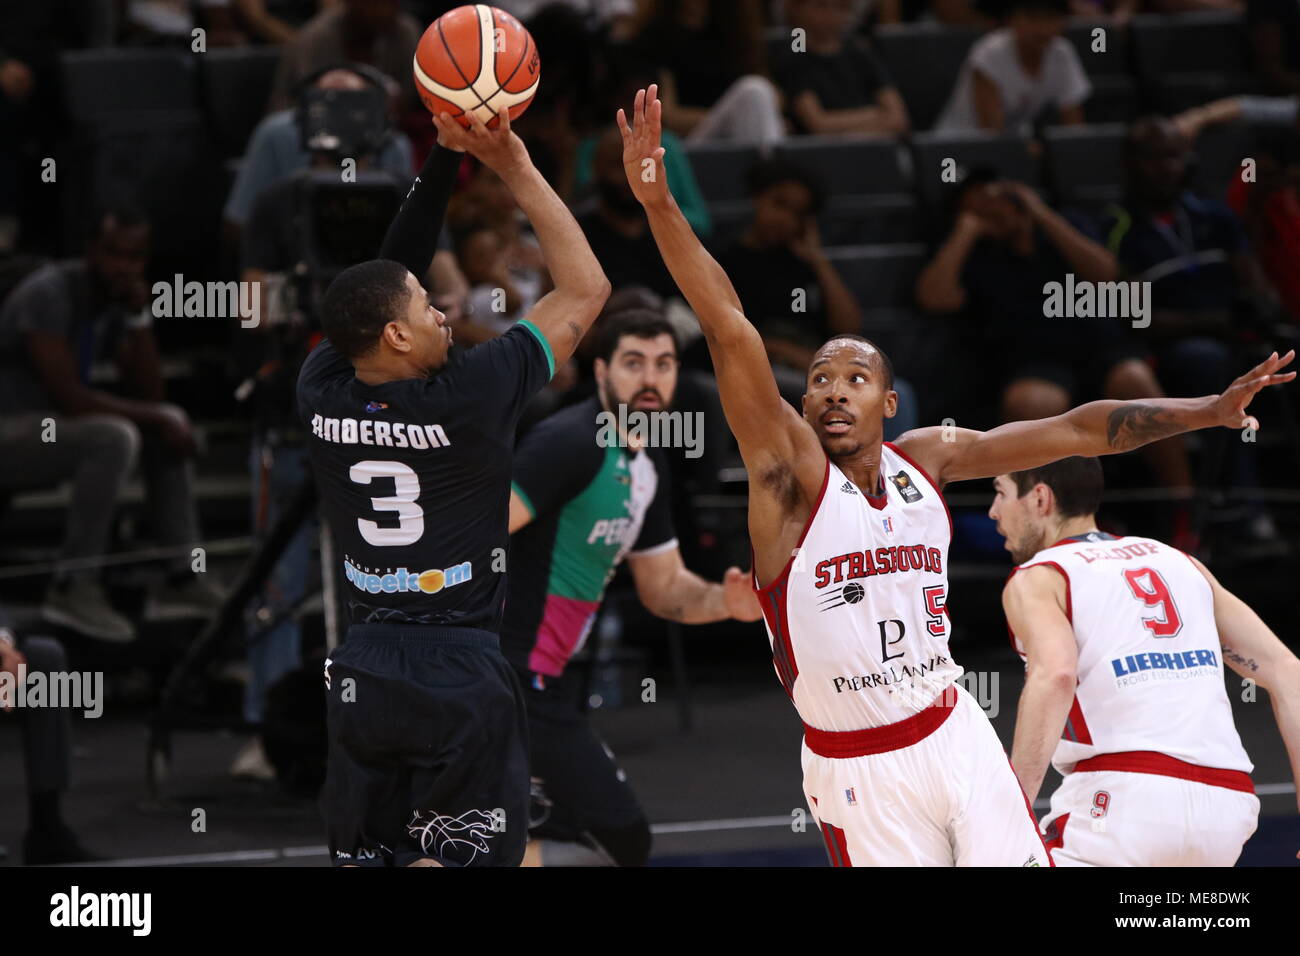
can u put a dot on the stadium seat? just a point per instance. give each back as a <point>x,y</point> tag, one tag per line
<point>867,182</point>
<point>720,169</point>
<point>150,158</point>
<point>105,81</point>
<point>1008,155</point>
<point>1219,152</point>
<point>1186,59</point>
<point>881,277</point>
<point>924,60</point>
<point>1085,164</point>
<point>1114,91</point>
<point>850,167</point>
<point>236,85</point>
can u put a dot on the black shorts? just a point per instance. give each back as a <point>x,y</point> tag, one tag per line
<point>428,749</point>
<point>579,792</point>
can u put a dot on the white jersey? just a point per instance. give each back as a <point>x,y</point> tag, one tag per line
<point>857,619</point>
<point>1150,667</point>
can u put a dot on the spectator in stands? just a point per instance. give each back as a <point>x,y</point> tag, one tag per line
<point>56,426</point>
<point>32,35</point>
<point>500,258</point>
<point>616,226</point>
<point>789,288</point>
<point>712,70</point>
<point>1270,209</point>
<point>1274,30</point>
<point>1194,6</point>
<point>156,22</point>
<point>1205,283</point>
<point>275,21</point>
<point>1118,12</point>
<point>562,109</point>
<point>374,32</point>
<point>276,149</point>
<point>836,85</point>
<point>1006,244</point>
<point>47,749</point>
<point>1020,76</point>
<point>629,74</point>
<point>613,17</point>
<point>1193,251</point>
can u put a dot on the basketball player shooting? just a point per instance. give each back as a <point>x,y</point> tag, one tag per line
<point>850,537</point>
<point>411,450</point>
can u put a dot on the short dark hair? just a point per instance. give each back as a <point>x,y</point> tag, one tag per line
<point>885,363</point>
<point>125,215</point>
<point>638,323</point>
<point>767,173</point>
<point>1076,482</point>
<point>360,301</point>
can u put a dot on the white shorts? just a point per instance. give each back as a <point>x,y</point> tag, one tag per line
<point>950,799</point>
<point>1115,818</point>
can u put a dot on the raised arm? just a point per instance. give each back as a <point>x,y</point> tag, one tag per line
<point>565,313</point>
<point>768,429</point>
<point>1097,428</point>
<point>412,237</point>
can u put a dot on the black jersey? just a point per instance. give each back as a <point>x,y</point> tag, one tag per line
<point>414,477</point>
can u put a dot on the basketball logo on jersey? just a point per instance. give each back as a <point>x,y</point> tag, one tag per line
<point>888,525</point>
<point>903,482</point>
<point>851,593</point>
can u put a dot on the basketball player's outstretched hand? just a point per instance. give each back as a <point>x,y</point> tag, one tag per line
<point>643,157</point>
<point>1232,403</point>
<point>499,149</point>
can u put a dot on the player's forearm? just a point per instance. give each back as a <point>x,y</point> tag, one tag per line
<point>1112,427</point>
<point>938,287</point>
<point>1044,706</point>
<point>1088,259</point>
<point>697,274</point>
<point>689,599</point>
<point>1286,711</point>
<point>573,266</point>
<point>412,237</point>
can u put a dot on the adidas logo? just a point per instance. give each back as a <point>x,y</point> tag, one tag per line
<point>849,487</point>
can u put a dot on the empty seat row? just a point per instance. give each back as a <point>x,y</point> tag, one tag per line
<point>882,190</point>
<point>230,87</point>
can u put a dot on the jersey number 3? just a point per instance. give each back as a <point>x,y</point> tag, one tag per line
<point>1149,587</point>
<point>402,502</point>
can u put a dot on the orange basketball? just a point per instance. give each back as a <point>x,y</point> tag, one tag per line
<point>477,59</point>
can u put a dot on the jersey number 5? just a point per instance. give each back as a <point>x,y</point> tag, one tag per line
<point>406,489</point>
<point>1155,593</point>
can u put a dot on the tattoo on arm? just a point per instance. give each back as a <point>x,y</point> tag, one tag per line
<point>1133,425</point>
<point>1233,656</point>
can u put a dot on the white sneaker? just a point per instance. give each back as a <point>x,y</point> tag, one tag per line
<point>80,605</point>
<point>192,597</point>
<point>251,763</point>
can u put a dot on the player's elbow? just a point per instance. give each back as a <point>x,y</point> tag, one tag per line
<point>1056,677</point>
